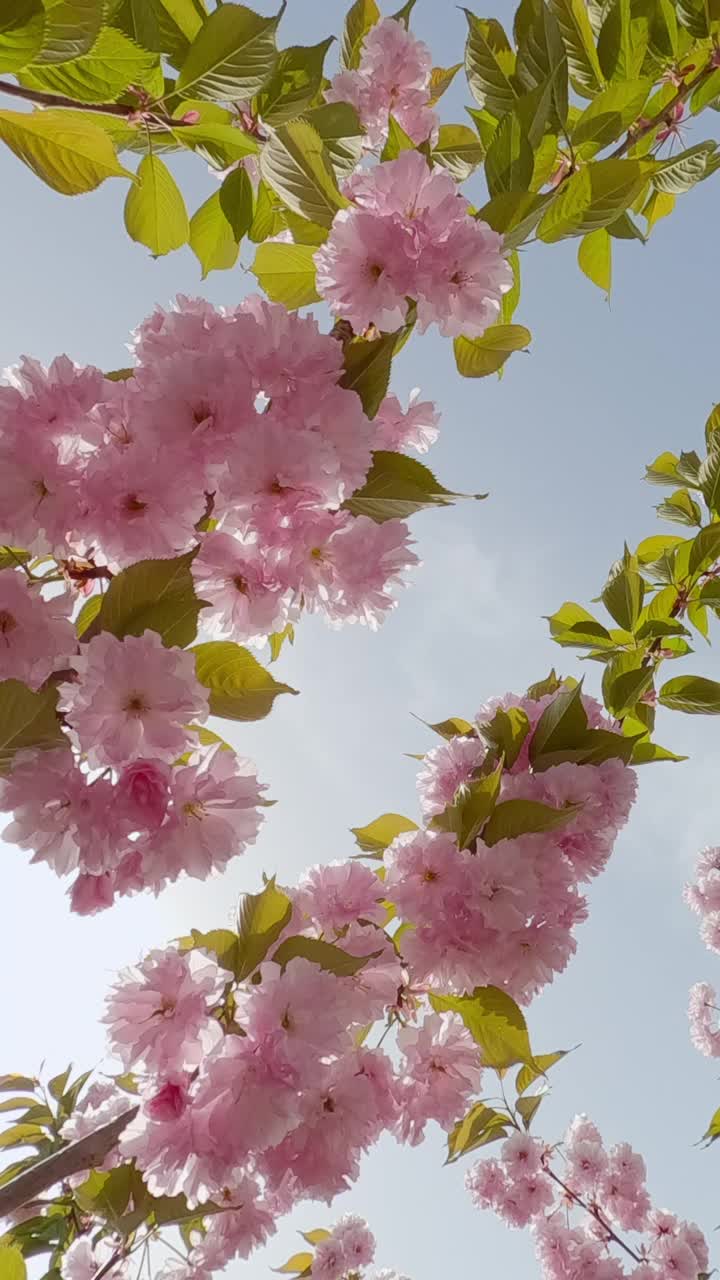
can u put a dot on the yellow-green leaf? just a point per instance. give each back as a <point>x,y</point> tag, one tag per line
<point>287,273</point>
<point>155,213</point>
<point>27,719</point>
<point>22,23</point>
<point>592,198</point>
<point>103,73</point>
<point>219,225</point>
<point>240,688</point>
<point>231,56</point>
<point>71,156</point>
<point>494,1021</point>
<point>377,836</point>
<point>362,17</point>
<point>155,595</point>
<point>479,357</point>
<point>296,165</point>
<point>595,258</point>
<point>12,1263</point>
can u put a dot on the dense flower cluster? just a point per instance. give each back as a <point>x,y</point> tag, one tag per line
<point>703,896</point>
<point>236,412</point>
<point>408,234</point>
<point>531,1185</point>
<point>504,914</point>
<point>393,79</point>
<point>132,801</point>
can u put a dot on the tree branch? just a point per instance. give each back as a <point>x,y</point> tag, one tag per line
<point>86,1153</point>
<point>130,114</point>
<point>594,1213</point>
<point>648,126</point>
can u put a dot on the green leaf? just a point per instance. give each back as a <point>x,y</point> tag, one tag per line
<point>695,695</point>
<point>277,641</point>
<point>579,43</point>
<point>624,683</point>
<point>21,1135</point>
<point>219,143</point>
<point>299,1265</point>
<point>623,593</point>
<point>490,65</point>
<point>454,727</point>
<point>481,1126</point>
<point>705,549</point>
<point>542,61</point>
<point>155,213</point>
<point>507,731</point>
<point>287,273</point>
<point>339,127</point>
<point>572,624</point>
<point>262,918</point>
<point>398,141</point>
<point>12,1263</point>
<point>377,836</point>
<point>154,595</point>
<point>684,170</point>
<point>713,1130</point>
<point>479,357</point>
<point>663,470</point>
<point>27,719</point>
<point>165,26</point>
<point>509,162</point>
<point>12,1083</point>
<point>221,944</point>
<point>495,1023</point>
<point>219,225</point>
<point>316,1236</point>
<point>21,34</point>
<point>474,802</point>
<point>592,198</point>
<point>296,165</point>
<point>100,75</point>
<point>609,115</point>
<point>294,84</point>
<point>268,218</point>
<point>232,55</point>
<point>528,1107</point>
<point>515,818</point>
<point>515,214</point>
<point>325,955</point>
<point>70,156</point>
<point>563,724</point>
<point>650,752</point>
<point>459,150</point>
<point>528,1074</point>
<point>396,487</point>
<point>362,17</point>
<point>623,41</point>
<point>403,14</point>
<point>11,557</point>
<point>551,684</point>
<point>595,258</point>
<point>17,1104</point>
<point>660,205</point>
<point>240,688</point>
<point>71,29</point>
<point>367,369</point>
<point>511,299</point>
<point>709,479</point>
<point>58,1084</point>
<point>303,231</point>
<point>440,80</point>
<point>681,508</point>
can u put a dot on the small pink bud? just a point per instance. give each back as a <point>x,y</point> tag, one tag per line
<point>190,117</point>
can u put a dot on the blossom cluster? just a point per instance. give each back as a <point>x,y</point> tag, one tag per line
<point>703,896</point>
<point>580,1202</point>
<point>231,421</point>
<point>408,234</point>
<point>343,1253</point>
<point>393,78</point>
<point>504,914</point>
<point>131,800</point>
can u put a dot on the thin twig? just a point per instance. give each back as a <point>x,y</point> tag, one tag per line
<point>648,126</point>
<point>131,114</point>
<point>594,1213</point>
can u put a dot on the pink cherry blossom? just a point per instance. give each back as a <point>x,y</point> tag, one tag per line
<point>440,1072</point>
<point>132,699</point>
<point>356,1241</point>
<point>393,78</point>
<point>159,1014</point>
<point>83,1260</point>
<point>337,894</point>
<point>248,597</point>
<point>141,797</point>
<point>445,769</point>
<point>703,1015</point>
<point>416,427</point>
<point>36,635</point>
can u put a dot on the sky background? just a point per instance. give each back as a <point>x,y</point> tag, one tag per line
<point>561,444</point>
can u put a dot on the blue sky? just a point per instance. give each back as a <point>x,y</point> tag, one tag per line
<point>560,443</point>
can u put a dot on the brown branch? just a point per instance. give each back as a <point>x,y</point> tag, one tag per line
<point>594,1213</point>
<point>648,126</point>
<point>130,114</point>
<point>78,1156</point>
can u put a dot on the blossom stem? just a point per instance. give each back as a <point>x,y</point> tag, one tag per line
<point>648,126</point>
<point>74,1158</point>
<point>594,1213</point>
<point>130,114</point>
